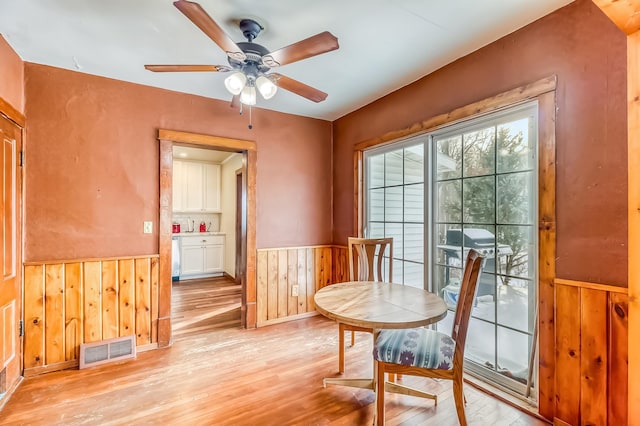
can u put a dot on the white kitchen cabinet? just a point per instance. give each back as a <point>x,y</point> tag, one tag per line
<point>201,255</point>
<point>213,258</point>
<point>196,187</point>
<point>192,260</point>
<point>211,190</point>
<point>178,186</point>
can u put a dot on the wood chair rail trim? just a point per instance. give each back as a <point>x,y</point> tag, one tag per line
<point>89,259</point>
<point>594,286</point>
<point>301,247</point>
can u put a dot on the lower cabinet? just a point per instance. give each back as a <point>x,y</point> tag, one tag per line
<point>202,256</point>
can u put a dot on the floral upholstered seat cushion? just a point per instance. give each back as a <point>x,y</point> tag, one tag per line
<point>418,347</point>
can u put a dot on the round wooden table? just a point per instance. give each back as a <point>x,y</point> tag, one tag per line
<point>379,305</point>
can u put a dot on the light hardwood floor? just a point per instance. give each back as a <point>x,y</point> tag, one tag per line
<point>228,376</point>
<point>203,305</point>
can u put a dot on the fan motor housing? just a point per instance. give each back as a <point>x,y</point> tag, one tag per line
<point>254,53</point>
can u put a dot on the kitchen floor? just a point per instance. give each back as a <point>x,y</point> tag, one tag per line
<point>206,304</point>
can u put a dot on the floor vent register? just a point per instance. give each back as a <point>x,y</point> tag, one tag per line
<point>110,350</point>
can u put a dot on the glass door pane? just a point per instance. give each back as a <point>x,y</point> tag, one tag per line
<point>484,197</point>
<point>395,206</point>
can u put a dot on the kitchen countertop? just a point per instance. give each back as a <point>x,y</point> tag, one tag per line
<point>197,234</point>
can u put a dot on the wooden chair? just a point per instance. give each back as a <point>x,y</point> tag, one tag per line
<point>367,257</point>
<point>428,353</point>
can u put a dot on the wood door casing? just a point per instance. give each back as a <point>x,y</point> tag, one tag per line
<point>10,284</point>
<point>167,139</point>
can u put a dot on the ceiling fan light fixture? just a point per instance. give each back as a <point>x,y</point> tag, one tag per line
<point>266,87</point>
<point>248,95</point>
<point>235,83</point>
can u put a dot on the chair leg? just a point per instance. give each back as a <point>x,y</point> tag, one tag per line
<point>379,413</point>
<point>459,399</point>
<point>340,348</point>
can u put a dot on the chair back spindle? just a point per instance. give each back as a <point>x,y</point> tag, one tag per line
<point>367,257</point>
<point>466,297</point>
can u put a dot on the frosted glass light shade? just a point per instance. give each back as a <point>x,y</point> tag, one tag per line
<point>235,83</point>
<point>248,95</point>
<point>266,87</point>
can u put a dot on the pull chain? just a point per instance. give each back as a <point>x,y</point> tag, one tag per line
<point>250,125</point>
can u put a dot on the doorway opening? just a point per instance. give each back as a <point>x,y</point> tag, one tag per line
<point>207,250</point>
<point>244,150</point>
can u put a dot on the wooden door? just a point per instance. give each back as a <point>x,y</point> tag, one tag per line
<point>10,256</point>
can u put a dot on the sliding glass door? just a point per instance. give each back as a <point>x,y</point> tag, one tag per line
<point>480,192</point>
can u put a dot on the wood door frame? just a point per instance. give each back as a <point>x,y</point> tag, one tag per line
<point>240,242</point>
<point>544,91</point>
<point>17,118</point>
<point>167,139</point>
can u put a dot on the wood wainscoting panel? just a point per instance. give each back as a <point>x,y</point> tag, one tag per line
<point>288,278</point>
<point>92,306</point>
<point>568,353</point>
<point>109,299</point>
<point>54,313</point>
<point>127,297</point>
<point>340,265</point>
<point>591,323</point>
<point>33,316</point>
<point>619,357</point>
<point>593,357</point>
<point>73,295</point>
<point>68,303</point>
<point>143,301</point>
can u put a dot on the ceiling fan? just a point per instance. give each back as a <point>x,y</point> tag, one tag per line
<point>251,62</point>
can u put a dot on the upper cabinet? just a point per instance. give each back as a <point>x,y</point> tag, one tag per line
<point>196,187</point>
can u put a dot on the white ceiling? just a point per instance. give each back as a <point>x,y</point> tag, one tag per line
<point>384,44</point>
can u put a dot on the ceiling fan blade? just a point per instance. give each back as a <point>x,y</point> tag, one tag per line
<point>294,86</point>
<point>312,46</point>
<point>235,102</point>
<point>187,68</point>
<point>202,20</point>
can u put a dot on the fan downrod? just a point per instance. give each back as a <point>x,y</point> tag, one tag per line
<point>250,29</point>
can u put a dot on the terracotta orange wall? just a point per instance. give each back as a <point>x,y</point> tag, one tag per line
<point>580,45</point>
<point>92,165</point>
<point>11,76</point>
